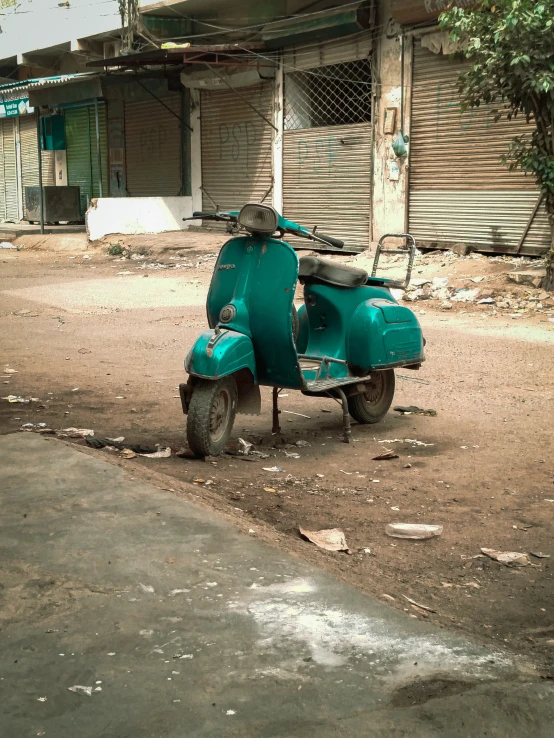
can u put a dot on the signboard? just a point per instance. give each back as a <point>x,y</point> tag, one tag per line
<point>15,102</point>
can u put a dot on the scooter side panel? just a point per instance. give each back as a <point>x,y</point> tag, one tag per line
<point>383,334</point>
<point>217,355</point>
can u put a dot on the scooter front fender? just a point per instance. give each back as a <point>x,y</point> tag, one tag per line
<point>218,354</point>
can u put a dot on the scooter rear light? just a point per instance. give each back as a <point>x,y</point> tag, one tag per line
<point>258,218</point>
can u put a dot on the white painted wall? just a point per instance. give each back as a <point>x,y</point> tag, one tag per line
<point>132,215</point>
<point>31,25</point>
<point>195,151</point>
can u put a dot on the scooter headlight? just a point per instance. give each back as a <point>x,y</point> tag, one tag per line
<point>258,218</point>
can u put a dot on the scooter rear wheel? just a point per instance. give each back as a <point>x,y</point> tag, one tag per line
<point>212,410</point>
<point>373,405</point>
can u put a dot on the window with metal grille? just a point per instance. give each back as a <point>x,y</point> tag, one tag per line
<point>335,95</point>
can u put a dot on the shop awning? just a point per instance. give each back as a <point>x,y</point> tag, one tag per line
<point>64,89</point>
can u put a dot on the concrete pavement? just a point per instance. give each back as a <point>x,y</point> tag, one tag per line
<point>182,626</point>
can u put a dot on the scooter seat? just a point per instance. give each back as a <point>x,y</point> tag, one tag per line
<point>313,270</point>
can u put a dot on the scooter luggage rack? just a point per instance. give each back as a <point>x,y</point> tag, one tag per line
<point>409,251</point>
<point>317,364</point>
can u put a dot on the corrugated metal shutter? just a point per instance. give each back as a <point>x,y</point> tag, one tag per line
<point>459,189</point>
<point>29,157</point>
<point>153,148</point>
<point>329,52</point>
<point>236,147</point>
<point>82,158</point>
<point>9,210</point>
<point>327,180</point>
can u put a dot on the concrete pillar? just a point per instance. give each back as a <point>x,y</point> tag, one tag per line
<point>390,175</point>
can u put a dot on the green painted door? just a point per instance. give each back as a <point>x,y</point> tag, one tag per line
<point>82,158</point>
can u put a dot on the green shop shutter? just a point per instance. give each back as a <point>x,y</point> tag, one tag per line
<point>8,173</point>
<point>82,159</point>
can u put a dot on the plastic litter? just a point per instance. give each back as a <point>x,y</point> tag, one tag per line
<point>414,410</point>
<point>413,531</point>
<point>76,433</point>
<point>508,558</point>
<point>245,447</point>
<point>79,689</point>
<point>15,398</point>
<point>331,539</point>
<point>273,469</point>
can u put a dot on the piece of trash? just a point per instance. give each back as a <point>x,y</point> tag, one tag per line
<point>79,689</point>
<point>119,439</point>
<point>417,604</point>
<point>366,550</point>
<point>161,453</point>
<point>10,371</point>
<point>42,699</point>
<point>390,598</point>
<point>123,273</point>
<point>320,475</point>
<point>76,433</point>
<point>413,531</point>
<point>230,712</point>
<point>127,454</point>
<point>301,415</point>
<point>539,555</point>
<point>345,472</point>
<point>414,410</point>
<point>292,455</point>
<point>138,448</point>
<point>301,444</point>
<point>85,351</point>
<point>508,558</point>
<point>331,539</point>
<point>8,245</point>
<point>198,481</point>
<point>269,489</point>
<point>178,591</point>
<point>395,508</point>
<point>385,456</point>
<point>146,588</point>
<point>75,389</point>
<point>245,447</point>
<point>273,469</point>
<point>15,398</point>
<point>476,280</point>
<point>486,301</point>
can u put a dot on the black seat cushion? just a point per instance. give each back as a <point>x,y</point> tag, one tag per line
<point>311,269</point>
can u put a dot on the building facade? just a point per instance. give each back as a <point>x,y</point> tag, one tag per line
<point>298,107</point>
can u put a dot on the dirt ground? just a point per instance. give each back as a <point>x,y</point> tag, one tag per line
<point>100,341</point>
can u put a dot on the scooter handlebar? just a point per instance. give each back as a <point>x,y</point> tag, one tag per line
<point>336,242</point>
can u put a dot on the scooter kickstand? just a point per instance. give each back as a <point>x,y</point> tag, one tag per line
<point>276,412</point>
<point>347,437</point>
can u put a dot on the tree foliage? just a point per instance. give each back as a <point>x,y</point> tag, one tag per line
<point>510,47</point>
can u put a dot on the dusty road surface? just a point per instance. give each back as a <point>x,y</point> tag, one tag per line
<point>100,342</point>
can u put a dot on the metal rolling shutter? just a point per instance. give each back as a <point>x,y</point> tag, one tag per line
<point>9,210</point>
<point>153,148</point>
<point>327,180</point>
<point>236,147</point>
<point>82,159</point>
<point>459,189</point>
<point>29,157</point>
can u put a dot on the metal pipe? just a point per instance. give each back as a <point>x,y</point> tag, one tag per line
<point>98,151</point>
<point>40,192</point>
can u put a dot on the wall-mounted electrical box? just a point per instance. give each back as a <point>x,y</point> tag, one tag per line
<point>52,133</point>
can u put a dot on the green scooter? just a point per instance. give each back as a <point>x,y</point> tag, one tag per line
<point>344,342</point>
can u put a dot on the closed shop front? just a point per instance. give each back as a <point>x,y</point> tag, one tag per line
<point>9,196</point>
<point>236,147</point>
<point>459,189</point>
<point>153,147</point>
<point>82,154</point>
<point>327,140</point>
<point>29,158</point>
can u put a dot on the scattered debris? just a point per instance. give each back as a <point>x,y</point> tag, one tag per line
<point>7,245</point>
<point>292,455</point>
<point>146,588</point>
<point>245,447</point>
<point>417,604</point>
<point>390,598</point>
<point>413,531</point>
<point>539,555</point>
<point>301,444</point>
<point>331,539</point>
<point>15,398</point>
<point>160,453</point>
<point>301,415</point>
<point>127,454</point>
<point>385,456</point>
<point>273,469</point>
<point>10,371</point>
<point>414,410</point>
<point>486,301</point>
<point>79,689</point>
<point>508,558</point>
<point>76,433</point>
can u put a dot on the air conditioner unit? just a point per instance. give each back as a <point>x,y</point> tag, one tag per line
<point>112,49</point>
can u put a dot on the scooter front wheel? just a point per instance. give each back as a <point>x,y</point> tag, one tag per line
<point>373,405</point>
<point>212,410</point>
